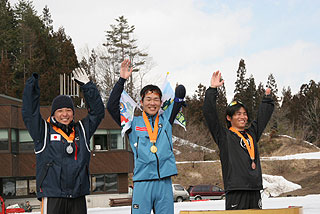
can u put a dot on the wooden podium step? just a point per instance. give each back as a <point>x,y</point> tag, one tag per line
<point>290,210</point>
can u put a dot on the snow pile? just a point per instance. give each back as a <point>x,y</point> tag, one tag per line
<point>181,142</point>
<point>176,151</point>
<point>287,136</point>
<point>276,185</point>
<point>311,155</point>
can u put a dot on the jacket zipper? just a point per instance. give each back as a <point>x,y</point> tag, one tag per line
<point>158,169</point>
<point>137,147</point>
<point>158,165</point>
<point>168,140</point>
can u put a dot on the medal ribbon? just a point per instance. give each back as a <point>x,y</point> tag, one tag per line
<point>64,135</point>
<point>250,147</point>
<point>69,138</point>
<point>152,134</point>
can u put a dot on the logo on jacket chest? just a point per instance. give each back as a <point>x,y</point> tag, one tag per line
<point>55,137</point>
<point>144,129</point>
<point>243,144</point>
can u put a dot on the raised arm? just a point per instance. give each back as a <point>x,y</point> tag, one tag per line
<point>93,101</point>
<point>264,114</point>
<point>180,93</point>
<point>31,108</point>
<point>210,108</point>
<point>113,106</point>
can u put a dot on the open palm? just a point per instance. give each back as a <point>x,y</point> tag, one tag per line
<point>125,72</point>
<point>216,80</point>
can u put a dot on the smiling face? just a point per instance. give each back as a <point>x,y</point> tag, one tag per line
<point>151,103</point>
<point>239,119</point>
<point>63,115</point>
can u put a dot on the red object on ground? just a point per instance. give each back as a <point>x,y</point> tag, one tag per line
<point>13,210</point>
<point>16,210</point>
<point>3,206</point>
<point>200,200</point>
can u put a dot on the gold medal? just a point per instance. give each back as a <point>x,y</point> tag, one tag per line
<point>253,165</point>
<point>153,149</point>
<point>152,134</point>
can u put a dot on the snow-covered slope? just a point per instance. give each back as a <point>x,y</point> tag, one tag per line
<point>181,142</point>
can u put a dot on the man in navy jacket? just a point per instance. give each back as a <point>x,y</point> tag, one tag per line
<point>62,146</point>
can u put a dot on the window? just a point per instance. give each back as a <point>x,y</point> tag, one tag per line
<point>116,141</point>
<point>104,183</point>
<point>111,184</point>
<point>8,187</point>
<point>178,188</point>
<point>26,142</point>
<point>21,187</point>
<point>108,140</point>
<point>32,187</point>
<point>18,186</point>
<point>14,141</point>
<point>4,141</point>
<point>215,189</point>
<point>100,140</point>
<point>205,188</point>
<point>98,183</point>
<point>197,189</point>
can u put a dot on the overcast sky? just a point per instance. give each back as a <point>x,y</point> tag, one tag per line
<point>191,39</point>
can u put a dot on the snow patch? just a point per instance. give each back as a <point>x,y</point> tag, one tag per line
<point>276,185</point>
<point>176,152</point>
<point>311,144</point>
<point>181,142</point>
<point>311,155</point>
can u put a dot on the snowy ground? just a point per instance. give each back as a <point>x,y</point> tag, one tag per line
<point>309,203</point>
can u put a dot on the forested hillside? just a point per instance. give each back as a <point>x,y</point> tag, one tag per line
<point>29,43</point>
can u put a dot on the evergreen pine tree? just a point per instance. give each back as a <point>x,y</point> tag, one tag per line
<point>241,83</point>
<point>121,45</point>
<point>222,104</point>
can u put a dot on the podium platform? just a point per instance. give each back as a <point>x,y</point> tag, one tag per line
<point>290,210</point>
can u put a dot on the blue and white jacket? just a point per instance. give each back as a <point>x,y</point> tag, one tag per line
<point>148,165</point>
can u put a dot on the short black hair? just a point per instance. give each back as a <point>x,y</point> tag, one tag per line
<point>232,108</point>
<point>151,88</point>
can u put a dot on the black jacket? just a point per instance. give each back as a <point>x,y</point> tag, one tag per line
<point>235,160</point>
<point>59,174</point>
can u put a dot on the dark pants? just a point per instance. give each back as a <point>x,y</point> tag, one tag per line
<point>64,206</point>
<point>243,199</point>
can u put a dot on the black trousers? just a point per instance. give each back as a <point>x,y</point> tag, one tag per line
<point>64,205</point>
<point>243,199</point>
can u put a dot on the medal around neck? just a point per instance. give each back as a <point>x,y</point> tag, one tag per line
<point>152,133</point>
<point>153,149</point>
<point>250,147</point>
<point>69,149</point>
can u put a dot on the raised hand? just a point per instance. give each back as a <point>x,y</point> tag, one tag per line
<point>125,73</point>
<point>216,81</point>
<point>80,76</point>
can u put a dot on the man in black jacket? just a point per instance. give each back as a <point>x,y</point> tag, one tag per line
<point>62,146</point>
<point>238,147</point>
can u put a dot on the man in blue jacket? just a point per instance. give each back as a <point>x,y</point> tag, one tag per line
<point>150,138</point>
<point>62,146</point>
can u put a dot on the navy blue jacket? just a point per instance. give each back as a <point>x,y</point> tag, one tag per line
<point>59,174</point>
